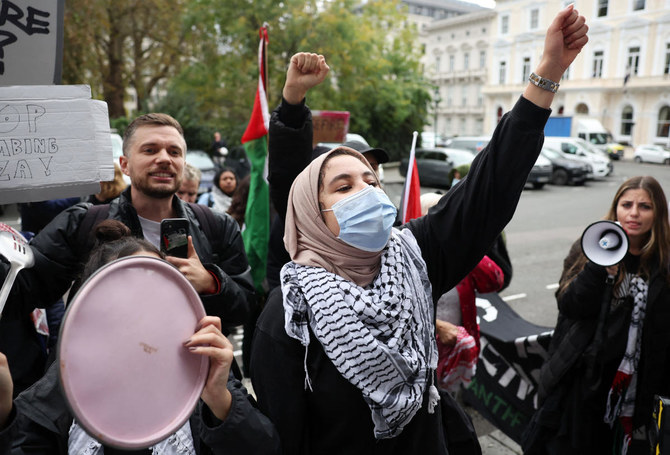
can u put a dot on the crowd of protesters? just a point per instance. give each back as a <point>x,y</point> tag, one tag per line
<point>367,327</point>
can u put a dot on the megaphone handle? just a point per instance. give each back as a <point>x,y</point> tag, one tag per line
<point>7,285</point>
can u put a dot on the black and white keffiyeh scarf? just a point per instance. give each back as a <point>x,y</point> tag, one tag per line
<point>380,337</point>
<point>621,397</point>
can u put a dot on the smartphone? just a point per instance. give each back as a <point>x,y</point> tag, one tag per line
<point>174,237</point>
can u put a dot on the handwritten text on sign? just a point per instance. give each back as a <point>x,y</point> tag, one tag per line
<point>31,41</point>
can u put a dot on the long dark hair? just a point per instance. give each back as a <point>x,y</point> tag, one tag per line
<point>238,204</point>
<point>656,248</point>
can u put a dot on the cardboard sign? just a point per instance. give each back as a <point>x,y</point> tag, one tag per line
<point>31,42</point>
<point>330,126</point>
<point>55,142</point>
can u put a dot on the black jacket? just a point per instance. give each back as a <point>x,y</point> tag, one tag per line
<point>43,423</point>
<point>578,312</point>
<point>453,238</point>
<point>60,253</point>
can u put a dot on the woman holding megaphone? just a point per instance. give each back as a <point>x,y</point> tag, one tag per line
<point>596,390</point>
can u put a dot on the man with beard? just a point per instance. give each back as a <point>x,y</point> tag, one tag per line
<point>154,153</point>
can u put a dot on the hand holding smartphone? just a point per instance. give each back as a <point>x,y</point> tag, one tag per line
<point>174,237</point>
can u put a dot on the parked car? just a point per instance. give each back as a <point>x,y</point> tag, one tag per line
<point>202,161</point>
<point>565,170</point>
<point>601,166</point>
<point>651,153</point>
<point>540,174</point>
<point>475,144</point>
<point>434,166</point>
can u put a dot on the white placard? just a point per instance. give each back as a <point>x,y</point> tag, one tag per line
<point>31,42</point>
<point>54,142</point>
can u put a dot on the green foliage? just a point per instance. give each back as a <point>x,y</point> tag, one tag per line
<point>373,55</point>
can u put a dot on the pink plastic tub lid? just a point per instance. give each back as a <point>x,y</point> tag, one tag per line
<point>125,373</point>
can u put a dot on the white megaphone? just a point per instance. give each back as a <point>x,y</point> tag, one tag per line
<point>605,243</point>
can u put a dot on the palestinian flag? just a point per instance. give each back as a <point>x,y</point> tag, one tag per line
<point>256,233</point>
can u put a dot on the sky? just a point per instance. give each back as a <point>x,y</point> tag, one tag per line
<point>486,3</point>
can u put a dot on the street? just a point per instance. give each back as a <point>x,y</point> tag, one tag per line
<point>544,226</point>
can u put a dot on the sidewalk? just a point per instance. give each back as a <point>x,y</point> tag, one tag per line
<point>492,440</point>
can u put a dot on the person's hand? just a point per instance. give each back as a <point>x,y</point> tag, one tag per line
<point>194,271</point>
<point>208,340</point>
<point>305,70</point>
<point>446,332</point>
<point>612,270</point>
<point>6,390</point>
<point>566,36</point>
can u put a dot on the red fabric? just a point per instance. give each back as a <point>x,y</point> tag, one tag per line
<point>413,203</point>
<point>457,364</point>
<point>485,277</point>
<point>259,117</point>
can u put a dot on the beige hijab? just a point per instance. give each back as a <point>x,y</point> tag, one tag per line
<point>309,241</point>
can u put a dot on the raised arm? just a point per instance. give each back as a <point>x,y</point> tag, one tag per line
<point>458,231</point>
<point>290,145</point>
<point>565,38</point>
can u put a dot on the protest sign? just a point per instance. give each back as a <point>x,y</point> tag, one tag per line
<point>330,126</point>
<point>55,142</point>
<point>31,42</point>
<point>504,388</point>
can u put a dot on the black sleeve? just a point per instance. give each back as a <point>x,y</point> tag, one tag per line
<point>57,262</point>
<point>289,150</point>
<point>583,297</point>
<point>278,375</point>
<point>457,232</point>
<point>245,430</point>
<point>7,434</point>
<point>232,303</point>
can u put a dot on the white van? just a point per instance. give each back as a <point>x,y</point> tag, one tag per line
<point>574,147</point>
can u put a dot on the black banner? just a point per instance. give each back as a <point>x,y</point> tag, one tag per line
<point>504,389</point>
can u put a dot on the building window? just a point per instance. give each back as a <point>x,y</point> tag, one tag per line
<point>437,64</point>
<point>666,68</point>
<point>504,25</point>
<point>633,60</point>
<point>463,125</point>
<point>627,121</point>
<point>449,95</point>
<point>479,126</point>
<point>451,63</point>
<point>663,122</point>
<point>482,58</point>
<point>464,96</point>
<point>566,74</point>
<point>447,126</point>
<point>466,60</point>
<point>534,18</point>
<point>602,8</point>
<point>525,69</point>
<point>480,98</point>
<point>502,72</point>
<point>638,5</point>
<point>598,64</point>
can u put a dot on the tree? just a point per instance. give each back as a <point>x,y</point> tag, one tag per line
<point>116,44</point>
<point>374,61</point>
<point>198,60</point>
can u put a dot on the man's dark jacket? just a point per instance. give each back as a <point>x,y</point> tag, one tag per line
<point>60,253</point>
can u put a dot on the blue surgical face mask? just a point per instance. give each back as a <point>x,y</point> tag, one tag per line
<point>365,218</point>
